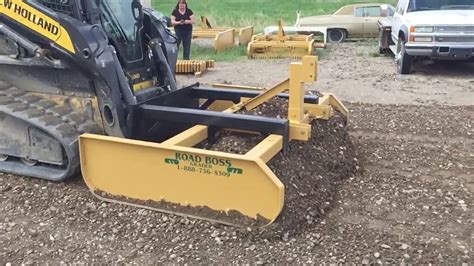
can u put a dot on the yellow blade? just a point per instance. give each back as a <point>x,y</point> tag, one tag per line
<point>227,188</point>
<point>224,40</point>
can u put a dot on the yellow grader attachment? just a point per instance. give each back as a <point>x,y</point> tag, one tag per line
<point>224,37</point>
<point>280,45</point>
<point>178,176</point>
<point>196,67</point>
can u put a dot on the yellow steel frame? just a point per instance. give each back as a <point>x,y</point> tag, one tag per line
<point>223,36</point>
<point>280,45</point>
<point>300,114</point>
<point>222,39</point>
<point>245,35</point>
<point>176,172</point>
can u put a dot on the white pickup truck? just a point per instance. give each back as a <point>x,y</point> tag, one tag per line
<point>438,29</point>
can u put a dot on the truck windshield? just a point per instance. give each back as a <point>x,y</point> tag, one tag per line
<point>422,5</point>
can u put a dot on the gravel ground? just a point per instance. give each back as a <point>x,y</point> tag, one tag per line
<point>356,73</point>
<point>411,200</point>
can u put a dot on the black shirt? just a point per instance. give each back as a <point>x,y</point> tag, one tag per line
<point>187,16</point>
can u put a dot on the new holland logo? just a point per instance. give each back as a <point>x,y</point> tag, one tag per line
<point>43,22</point>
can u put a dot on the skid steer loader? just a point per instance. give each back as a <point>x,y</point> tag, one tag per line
<point>89,85</point>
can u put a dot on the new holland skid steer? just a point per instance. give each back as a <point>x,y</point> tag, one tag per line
<point>89,85</point>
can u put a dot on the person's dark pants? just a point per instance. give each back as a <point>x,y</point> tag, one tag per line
<point>185,37</point>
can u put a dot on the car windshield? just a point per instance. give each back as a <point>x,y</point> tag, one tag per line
<point>422,5</point>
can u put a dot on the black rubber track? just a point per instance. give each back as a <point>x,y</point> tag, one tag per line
<point>60,122</point>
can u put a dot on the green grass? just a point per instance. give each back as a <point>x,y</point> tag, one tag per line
<point>259,13</point>
<point>236,53</point>
<point>204,53</point>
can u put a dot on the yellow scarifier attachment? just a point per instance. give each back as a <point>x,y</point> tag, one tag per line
<point>175,176</point>
<point>224,37</point>
<point>280,45</point>
<point>196,67</point>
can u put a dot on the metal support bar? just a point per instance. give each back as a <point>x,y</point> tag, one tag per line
<point>300,73</point>
<point>267,149</point>
<point>331,100</point>
<point>33,61</point>
<point>267,95</point>
<point>188,138</point>
<point>252,123</point>
<point>206,104</point>
<point>232,86</point>
<point>235,95</point>
<point>31,47</point>
<point>173,98</point>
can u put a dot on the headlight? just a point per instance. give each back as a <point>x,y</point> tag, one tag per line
<point>422,39</point>
<point>423,29</point>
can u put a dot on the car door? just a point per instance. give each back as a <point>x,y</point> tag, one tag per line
<point>371,16</point>
<point>357,23</point>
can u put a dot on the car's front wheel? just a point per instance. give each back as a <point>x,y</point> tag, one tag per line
<point>336,35</point>
<point>404,60</point>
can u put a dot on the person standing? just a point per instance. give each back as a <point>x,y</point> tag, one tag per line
<point>182,19</point>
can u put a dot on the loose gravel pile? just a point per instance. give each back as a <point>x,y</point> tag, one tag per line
<point>310,171</point>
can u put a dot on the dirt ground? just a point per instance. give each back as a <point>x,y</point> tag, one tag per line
<point>410,201</point>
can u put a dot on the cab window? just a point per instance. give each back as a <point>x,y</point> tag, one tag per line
<point>372,11</point>
<point>368,11</point>
<point>359,12</point>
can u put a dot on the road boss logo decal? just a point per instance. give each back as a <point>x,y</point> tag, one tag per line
<point>203,164</point>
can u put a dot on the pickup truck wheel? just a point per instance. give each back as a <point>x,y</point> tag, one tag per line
<point>336,35</point>
<point>404,60</point>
